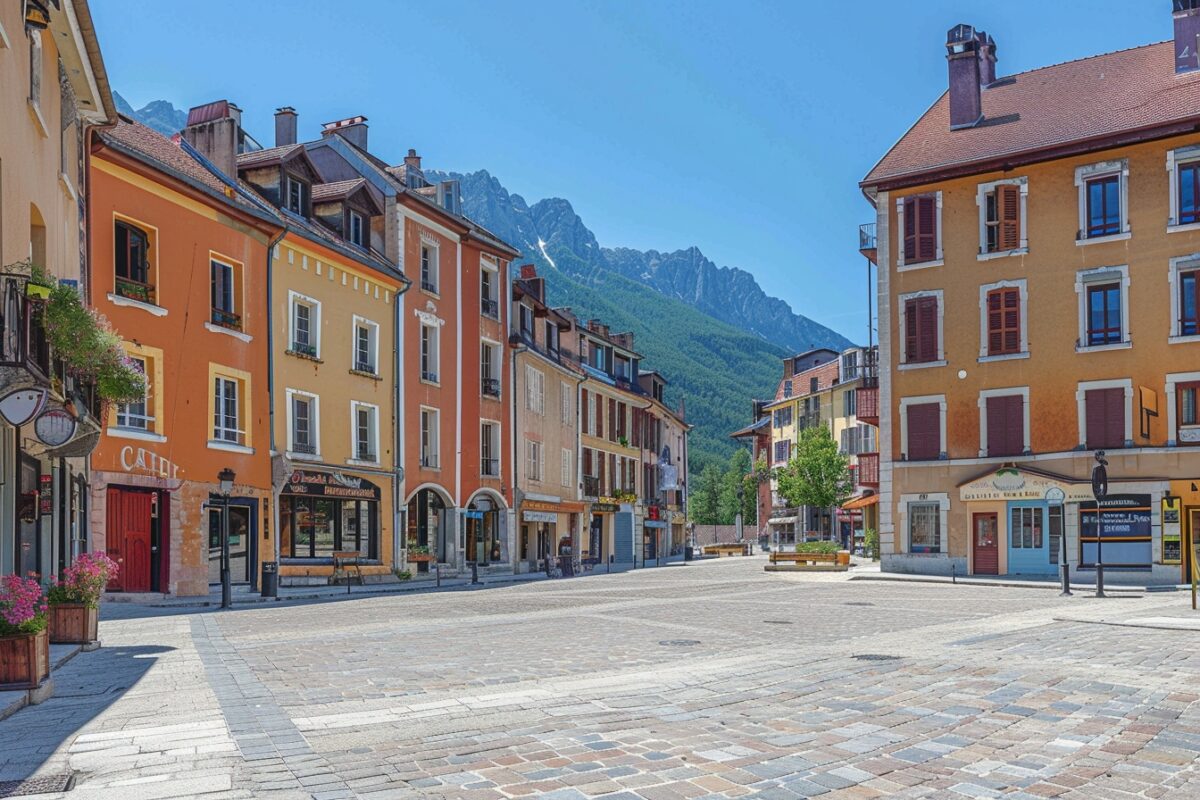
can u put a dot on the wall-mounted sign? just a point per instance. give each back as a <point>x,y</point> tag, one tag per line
<point>45,495</point>
<point>54,427</point>
<point>539,516</point>
<point>473,514</point>
<point>22,405</point>
<point>331,484</point>
<point>605,508</point>
<point>1124,527</point>
<point>1172,540</point>
<point>139,459</point>
<point>1014,484</point>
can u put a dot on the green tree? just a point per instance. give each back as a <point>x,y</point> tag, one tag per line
<point>818,475</point>
<point>706,500</point>
<point>735,474</point>
<point>759,474</point>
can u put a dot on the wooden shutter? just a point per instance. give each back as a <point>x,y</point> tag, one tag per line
<point>1104,418</point>
<point>1008,209</point>
<point>599,415</point>
<point>1004,321</point>
<point>910,229</point>
<point>926,228</point>
<point>910,330</point>
<point>927,332</point>
<point>612,419</point>
<point>924,432</point>
<point>1005,425</point>
<point>583,410</point>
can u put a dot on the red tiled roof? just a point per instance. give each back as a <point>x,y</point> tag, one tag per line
<point>271,155</point>
<point>1092,98</point>
<point>328,191</point>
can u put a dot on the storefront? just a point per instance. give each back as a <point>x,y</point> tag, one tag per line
<point>486,542</point>
<point>322,513</point>
<point>429,528</point>
<point>549,528</point>
<point>655,536</point>
<point>678,534</point>
<point>598,549</point>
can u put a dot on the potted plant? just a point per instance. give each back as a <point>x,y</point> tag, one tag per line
<point>75,599</point>
<point>90,349</point>
<point>419,552</point>
<point>24,645</point>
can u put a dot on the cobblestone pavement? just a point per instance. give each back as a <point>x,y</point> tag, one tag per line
<point>706,680</point>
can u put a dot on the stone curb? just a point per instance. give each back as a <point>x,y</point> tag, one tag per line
<point>1075,587</point>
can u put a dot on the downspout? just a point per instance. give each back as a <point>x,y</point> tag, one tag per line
<point>398,534</point>
<point>275,492</point>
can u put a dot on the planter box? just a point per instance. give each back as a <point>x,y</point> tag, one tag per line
<point>24,660</point>
<point>418,558</point>
<point>843,558</point>
<point>73,623</point>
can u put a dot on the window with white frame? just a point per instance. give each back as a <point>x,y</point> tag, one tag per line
<point>227,411</point>
<point>1103,200</point>
<point>357,228</point>
<point>429,437</point>
<point>566,416</point>
<point>365,418</point>
<point>489,449</point>
<point>535,390</point>
<point>567,467</point>
<point>489,369</point>
<point>303,424</point>
<point>305,320</point>
<point>533,460</point>
<point>297,196</point>
<point>489,283</point>
<point>1002,229</point>
<point>366,345</point>
<point>924,528</point>
<point>139,415</point>
<point>429,267</point>
<point>922,316</point>
<point>429,353</point>
<point>1183,170</point>
<point>1185,298</point>
<point>1003,321</point>
<point>1103,297</point>
<point>919,220</point>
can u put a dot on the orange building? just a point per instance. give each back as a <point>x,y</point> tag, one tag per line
<point>179,266</point>
<point>1039,278</point>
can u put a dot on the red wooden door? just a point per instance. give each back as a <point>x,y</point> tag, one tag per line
<point>129,539</point>
<point>114,527</point>
<point>987,551</point>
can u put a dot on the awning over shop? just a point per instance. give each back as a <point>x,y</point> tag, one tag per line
<point>860,502</point>
<point>654,523</point>
<point>783,521</point>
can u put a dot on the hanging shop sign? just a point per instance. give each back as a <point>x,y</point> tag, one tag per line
<point>1014,484</point>
<point>470,514</point>
<point>331,484</point>
<point>1172,541</point>
<point>55,427</point>
<point>22,405</point>
<point>45,495</point>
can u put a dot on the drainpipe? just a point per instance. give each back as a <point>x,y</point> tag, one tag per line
<point>398,531</point>
<point>275,493</point>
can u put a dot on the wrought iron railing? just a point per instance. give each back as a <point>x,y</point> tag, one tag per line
<point>227,319</point>
<point>866,236</point>
<point>491,387</point>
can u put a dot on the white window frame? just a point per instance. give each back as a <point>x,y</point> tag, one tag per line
<point>1022,285</point>
<point>1087,277</point>
<point>901,266</point>
<point>1173,380</point>
<point>496,446</point>
<point>1081,406</point>
<point>314,320</point>
<point>355,407</point>
<point>149,426</point>
<point>1119,167</point>
<point>566,467</point>
<point>433,453</point>
<point>435,357</point>
<point>372,329</point>
<point>218,404</point>
<point>564,404</point>
<point>535,390</point>
<point>1175,159</point>
<point>943,502</point>
<point>1023,391</point>
<point>497,367</point>
<point>941,328</point>
<point>981,193</point>
<point>435,263</point>
<point>535,460</point>
<point>314,401</point>
<point>362,229</point>
<point>1177,265</point>
<point>905,402</point>
<point>489,266</point>
<point>591,426</point>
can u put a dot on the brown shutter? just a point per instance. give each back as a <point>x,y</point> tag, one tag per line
<point>910,229</point>
<point>1008,208</point>
<point>910,330</point>
<point>599,416</point>
<point>927,344</point>
<point>587,462</point>
<point>926,228</point>
<point>583,410</point>
<point>1104,418</point>
<point>1005,425</point>
<point>1012,320</point>
<point>612,419</point>
<point>1004,321</point>
<point>924,432</point>
<point>995,322</point>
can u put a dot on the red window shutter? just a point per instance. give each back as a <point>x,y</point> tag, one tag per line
<point>910,331</point>
<point>995,323</point>
<point>1004,321</point>
<point>924,432</point>
<point>599,416</point>
<point>927,345</point>
<point>1104,418</point>
<point>583,410</point>
<point>1012,320</point>
<point>910,229</point>
<point>926,228</point>
<point>587,462</point>
<point>1005,425</point>
<point>612,419</point>
<point>1008,202</point>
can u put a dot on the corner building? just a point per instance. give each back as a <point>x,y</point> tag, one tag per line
<point>1038,255</point>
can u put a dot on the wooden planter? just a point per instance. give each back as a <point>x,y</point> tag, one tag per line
<point>73,623</point>
<point>843,558</point>
<point>24,660</point>
<point>417,558</point>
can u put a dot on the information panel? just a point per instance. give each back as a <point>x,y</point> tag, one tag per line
<point>1124,527</point>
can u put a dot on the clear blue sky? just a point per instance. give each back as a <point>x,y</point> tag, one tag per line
<point>740,127</point>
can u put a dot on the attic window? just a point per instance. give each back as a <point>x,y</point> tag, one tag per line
<point>296,200</point>
<point>356,228</point>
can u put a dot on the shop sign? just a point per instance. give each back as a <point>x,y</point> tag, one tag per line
<point>54,427</point>
<point>539,516</point>
<point>1125,529</point>
<point>1012,484</point>
<point>1172,544</point>
<point>469,514</point>
<point>605,508</point>
<point>45,495</point>
<point>331,484</point>
<point>537,505</point>
<point>139,459</point>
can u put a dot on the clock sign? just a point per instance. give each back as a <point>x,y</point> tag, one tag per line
<point>55,427</point>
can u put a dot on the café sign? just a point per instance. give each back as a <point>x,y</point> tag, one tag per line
<point>331,484</point>
<point>1013,484</point>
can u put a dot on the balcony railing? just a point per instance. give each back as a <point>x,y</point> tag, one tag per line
<point>429,286</point>
<point>304,448</point>
<point>226,319</point>
<point>866,403</point>
<point>431,377</point>
<point>364,366</point>
<point>868,469</point>
<point>490,308</point>
<point>135,290</point>
<point>866,236</point>
<point>491,387</point>
<point>304,349</point>
<point>364,453</point>
<point>489,467</point>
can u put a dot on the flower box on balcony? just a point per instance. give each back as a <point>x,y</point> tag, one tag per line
<point>24,660</point>
<point>73,623</point>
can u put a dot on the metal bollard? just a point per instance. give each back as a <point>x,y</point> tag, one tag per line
<point>437,571</point>
<point>953,572</point>
<point>474,573</point>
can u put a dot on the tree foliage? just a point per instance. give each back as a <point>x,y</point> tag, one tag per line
<point>817,475</point>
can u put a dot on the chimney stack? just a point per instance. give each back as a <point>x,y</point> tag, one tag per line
<point>987,60</point>
<point>352,129</point>
<point>285,126</point>
<point>214,130</point>
<point>412,160</point>
<point>1187,34</point>
<point>963,57</point>
<point>528,272</point>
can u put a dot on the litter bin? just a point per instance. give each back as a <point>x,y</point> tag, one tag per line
<point>270,579</point>
<point>689,553</point>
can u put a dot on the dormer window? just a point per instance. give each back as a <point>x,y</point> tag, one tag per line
<point>296,199</point>
<point>356,228</point>
<point>526,322</point>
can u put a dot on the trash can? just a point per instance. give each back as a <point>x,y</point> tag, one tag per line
<point>270,579</point>
<point>689,553</point>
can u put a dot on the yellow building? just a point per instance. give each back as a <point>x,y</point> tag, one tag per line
<point>1038,295</point>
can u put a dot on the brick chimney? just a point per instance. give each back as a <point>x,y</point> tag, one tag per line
<point>528,272</point>
<point>412,160</point>
<point>352,129</point>
<point>987,59</point>
<point>1187,34</point>
<point>214,130</point>
<point>285,126</point>
<point>962,56</point>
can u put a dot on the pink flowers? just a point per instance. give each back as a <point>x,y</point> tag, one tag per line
<point>22,606</point>
<point>84,581</point>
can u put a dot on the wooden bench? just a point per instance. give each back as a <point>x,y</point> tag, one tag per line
<point>719,550</point>
<point>804,558</point>
<point>343,562</point>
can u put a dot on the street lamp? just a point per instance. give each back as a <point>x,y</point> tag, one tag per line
<point>225,478</point>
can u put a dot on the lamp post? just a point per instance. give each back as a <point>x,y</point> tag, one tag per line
<point>225,478</point>
<point>1100,490</point>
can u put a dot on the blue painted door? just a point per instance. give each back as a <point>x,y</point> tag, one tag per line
<point>1029,540</point>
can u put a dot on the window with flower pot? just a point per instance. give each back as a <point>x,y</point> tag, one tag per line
<point>225,290</point>
<point>141,418</point>
<point>305,319</point>
<point>134,260</point>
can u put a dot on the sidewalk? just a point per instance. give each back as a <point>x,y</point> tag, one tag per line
<point>870,572</point>
<point>14,700</point>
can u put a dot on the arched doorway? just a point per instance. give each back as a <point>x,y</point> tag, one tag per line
<point>428,526</point>
<point>486,542</point>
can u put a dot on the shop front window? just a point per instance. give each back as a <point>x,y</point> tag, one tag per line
<point>318,527</point>
<point>426,518</point>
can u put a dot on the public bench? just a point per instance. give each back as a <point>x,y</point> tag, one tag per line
<point>732,549</point>
<point>345,561</point>
<point>806,562</point>
<point>804,558</point>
